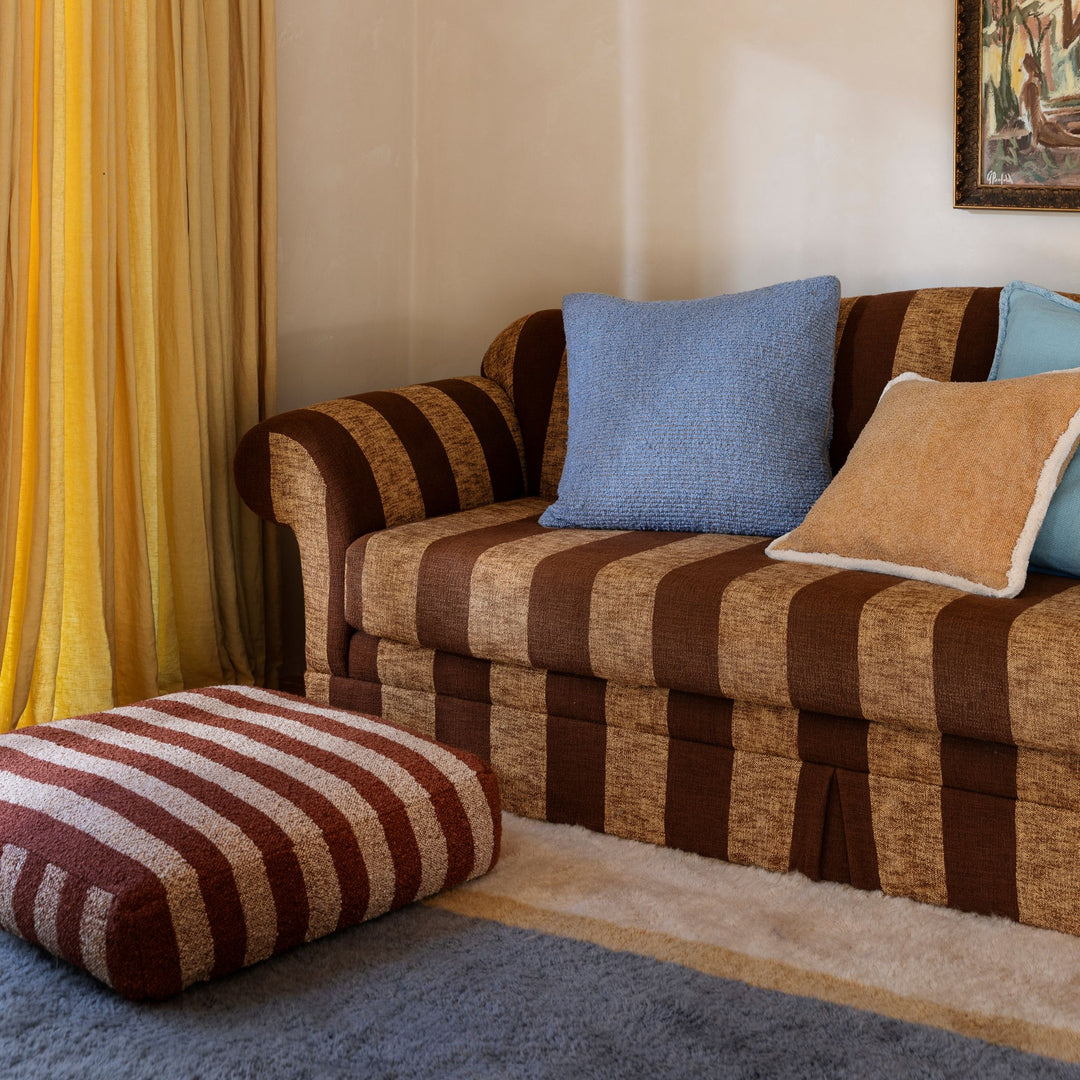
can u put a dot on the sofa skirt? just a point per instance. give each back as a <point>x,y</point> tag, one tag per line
<point>954,822</point>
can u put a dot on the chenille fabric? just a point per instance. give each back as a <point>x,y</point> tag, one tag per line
<point>176,840</point>
<point>686,689</point>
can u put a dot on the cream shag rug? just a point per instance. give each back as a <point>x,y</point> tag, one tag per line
<point>983,977</point>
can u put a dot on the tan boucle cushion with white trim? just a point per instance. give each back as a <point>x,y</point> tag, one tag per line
<point>167,842</point>
<point>948,483</point>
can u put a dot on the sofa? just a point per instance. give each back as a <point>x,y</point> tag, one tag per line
<point>686,689</point>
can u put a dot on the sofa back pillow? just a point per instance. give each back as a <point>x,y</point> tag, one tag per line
<point>948,483</point>
<point>946,334</point>
<point>698,415</point>
<point>1040,331</point>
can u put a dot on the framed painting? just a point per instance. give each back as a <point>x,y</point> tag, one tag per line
<point>1018,104</point>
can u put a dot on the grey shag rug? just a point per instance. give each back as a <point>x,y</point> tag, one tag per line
<point>426,993</point>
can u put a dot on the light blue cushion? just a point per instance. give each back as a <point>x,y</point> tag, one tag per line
<point>1040,331</point>
<point>699,415</point>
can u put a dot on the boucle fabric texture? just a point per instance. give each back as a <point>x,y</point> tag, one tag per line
<point>580,616</point>
<point>698,415</point>
<point>1040,331</point>
<point>948,483</point>
<point>165,843</point>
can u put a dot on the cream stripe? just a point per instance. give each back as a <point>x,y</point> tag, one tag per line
<point>412,709</point>
<point>846,304</point>
<point>395,477</point>
<point>930,331</point>
<point>762,811</point>
<point>312,852</point>
<point>391,563</point>
<point>46,904</point>
<point>635,784</point>
<point>364,819</point>
<point>752,655</point>
<point>248,867</point>
<point>93,932</point>
<point>908,833</point>
<point>298,493</point>
<point>459,440</point>
<point>410,667</point>
<point>459,774</point>
<point>623,598</point>
<point>896,653</point>
<point>500,587</point>
<point>12,861</point>
<point>176,875</point>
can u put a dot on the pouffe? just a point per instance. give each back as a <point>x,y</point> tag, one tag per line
<point>172,841</point>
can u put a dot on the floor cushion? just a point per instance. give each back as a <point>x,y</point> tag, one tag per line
<point>713,614</point>
<point>168,842</point>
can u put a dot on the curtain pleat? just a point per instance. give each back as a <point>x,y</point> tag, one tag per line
<point>138,209</point>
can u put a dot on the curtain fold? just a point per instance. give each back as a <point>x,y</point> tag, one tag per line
<point>138,207</point>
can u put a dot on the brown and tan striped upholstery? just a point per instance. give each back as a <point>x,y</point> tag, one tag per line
<point>689,691</point>
<point>179,839</point>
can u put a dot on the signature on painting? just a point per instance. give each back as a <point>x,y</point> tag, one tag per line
<point>994,177</point>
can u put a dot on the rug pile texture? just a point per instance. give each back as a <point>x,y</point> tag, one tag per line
<point>585,956</point>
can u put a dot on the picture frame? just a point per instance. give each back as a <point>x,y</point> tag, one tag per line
<point>1018,104</point>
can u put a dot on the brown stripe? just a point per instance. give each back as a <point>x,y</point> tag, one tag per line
<point>355,694</point>
<point>462,677</point>
<point>978,337</point>
<point>971,693</point>
<point>444,581</point>
<point>834,864</point>
<point>430,462</point>
<point>536,370</point>
<point>864,363</point>
<point>698,797</point>
<point>971,670</point>
<point>560,598</point>
<point>686,618</point>
<point>344,466</point>
<point>833,740</point>
<point>808,829</point>
<point>577,697</point>
<point>364,656</point>
<point>496,439</point>
<point>25,894</point>
<point>576,768</point>
<point>979,833</point>
<point>217,883</point>
<point>858,827</point>
<point>975,765</point>
<point>69,913</point>
<point>464,724</point>
<point>823,641</point>
<point>445,798</point>
<point>697,718</point>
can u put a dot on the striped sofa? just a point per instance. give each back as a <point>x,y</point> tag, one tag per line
<point>686,689</point>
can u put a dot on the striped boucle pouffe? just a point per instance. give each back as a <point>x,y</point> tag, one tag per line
<point>168,842</point>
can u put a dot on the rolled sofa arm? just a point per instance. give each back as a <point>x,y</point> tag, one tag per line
<point>335,471</point>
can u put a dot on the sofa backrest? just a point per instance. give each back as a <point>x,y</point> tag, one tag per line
<point>947,334</point>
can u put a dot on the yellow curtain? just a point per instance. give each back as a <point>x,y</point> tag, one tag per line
<point>137,204</point>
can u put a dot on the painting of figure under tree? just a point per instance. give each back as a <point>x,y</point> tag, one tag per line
<point>1030,69</point>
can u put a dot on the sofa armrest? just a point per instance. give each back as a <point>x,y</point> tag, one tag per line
<point>335,471</point>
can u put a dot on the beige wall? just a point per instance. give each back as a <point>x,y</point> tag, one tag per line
<point>449,164</point>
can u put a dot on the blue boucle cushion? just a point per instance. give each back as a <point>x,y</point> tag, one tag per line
<point>1039,331</point>
<point>699,415</point>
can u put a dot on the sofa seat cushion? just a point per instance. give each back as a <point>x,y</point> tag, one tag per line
<point>712,614</point>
